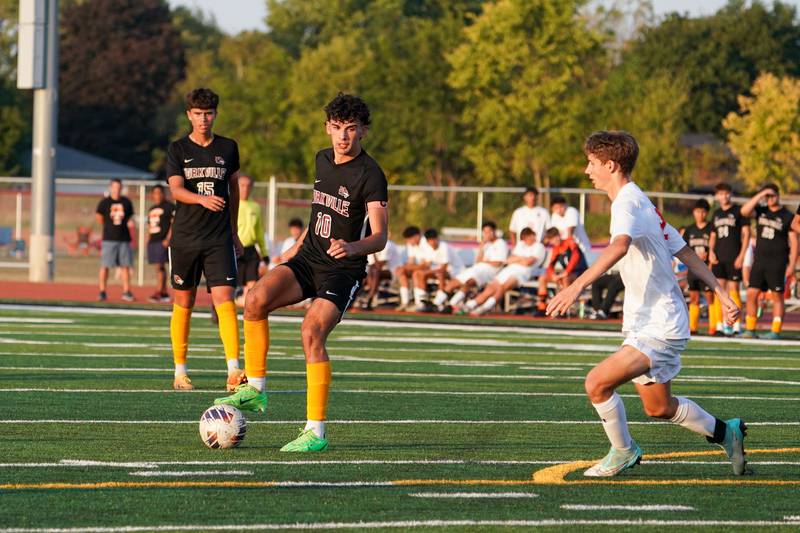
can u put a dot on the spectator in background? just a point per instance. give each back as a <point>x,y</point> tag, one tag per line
<point>380,266</point>
<point>295,230</point>
<point>250,228</point>
<point>440,262</point>
<point>525,262</point>
<point>611,283</point>
<point>568,256</point>
<point>414,261</point>
<point>491,257</point>
<point>528,216</point>
<point>159,223</point>
<point>568,221</point>
<point>115,214</point>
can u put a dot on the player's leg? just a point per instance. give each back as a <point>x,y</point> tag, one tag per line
<point>710,300</point>
<point>126,264</point>
<point>751,316</point>
<point>421,277</point>
<point>694,310</point>
<point>736,296</point>
<point>179,326</point>
<point>404,274</point>
<point>459,286</point>
<point>777,285</point>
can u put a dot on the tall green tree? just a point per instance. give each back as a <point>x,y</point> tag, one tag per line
<point>765,133</point>
<point>14,104</point>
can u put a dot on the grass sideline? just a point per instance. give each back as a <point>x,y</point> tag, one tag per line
<point>426,423</point>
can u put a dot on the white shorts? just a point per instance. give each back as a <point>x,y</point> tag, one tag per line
<point>664,355</point>
<point>482,273</point>
<point>521,273</point>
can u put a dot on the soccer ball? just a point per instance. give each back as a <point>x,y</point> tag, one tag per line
<point>222,426</point>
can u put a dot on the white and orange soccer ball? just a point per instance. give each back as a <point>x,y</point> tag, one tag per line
<point>222,426</point>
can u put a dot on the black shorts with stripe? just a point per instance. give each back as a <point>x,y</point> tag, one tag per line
<point>187,266</point>
<point>768,275</point>
<point>339,286</point>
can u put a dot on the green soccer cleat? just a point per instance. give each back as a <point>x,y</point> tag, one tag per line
<point>616,462</point>
<point>247,398</point>
<point>749,334</point>
<point>306,442</point>
<point>770,336</point>
<point>733,444</point>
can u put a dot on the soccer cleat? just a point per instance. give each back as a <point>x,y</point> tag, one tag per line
<point>733,444</point>
<point>616,462</point>
<point>770,336</point>
<point>182,382</point>
<point>235,378</point>
<point>102,296</point>
<point>306,442</point>
<point>749,334</point>
<point>128,296</point>
<point>247,398</point>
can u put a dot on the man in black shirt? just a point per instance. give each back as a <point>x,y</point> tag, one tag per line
<point>697,236</point>
<point>115,213</point>
<point>730,237</point>
<point>349,220</point>
<point>203,174</point>
<point>159,224</point>
<point>774,259</point>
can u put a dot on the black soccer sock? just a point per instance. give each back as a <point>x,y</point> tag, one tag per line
<point>720,428</point>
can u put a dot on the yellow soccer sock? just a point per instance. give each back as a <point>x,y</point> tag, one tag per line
<point>777,323</point>
<point>228,329</point>
<point>318,379</point>
<point>750,322</point>
<point>694,317</point>
<point>712,316</point>
<point>179,333</point>
<point>256,344</point>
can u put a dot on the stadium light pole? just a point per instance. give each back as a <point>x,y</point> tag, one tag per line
<point>45,128</point>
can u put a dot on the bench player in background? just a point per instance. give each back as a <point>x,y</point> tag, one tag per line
<point>697,237</point>
<point>655,320</point>
<point>203,176</point>
<point>159,225</point>
<point>349,220</point>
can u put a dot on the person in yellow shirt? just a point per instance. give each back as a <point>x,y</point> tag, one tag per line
<point>251,234</point>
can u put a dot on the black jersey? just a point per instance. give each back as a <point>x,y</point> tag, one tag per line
<point>205,170</point>
<point>159,219</point>
<point>697,238</point>
<point>728,224</point>
<point>116,214</point>
<point>772,233</point>
<point>339,206</point>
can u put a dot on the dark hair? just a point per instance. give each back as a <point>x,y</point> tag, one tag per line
<point>347,108</point>
<point>525,232</point>
<point>772,186</point>
<point>552,232</point>
<point>489,224</point>
<point>722,186</point>
<point>534,190</point>
<point>115,180</point>
<point>617,146</point>
<point>296,223</point>
<point>702,203</point>
<point>431,233</point>
<point>201,98</point>
<point>159,187</point>
<point>410,231</point>
<point>555,200</point>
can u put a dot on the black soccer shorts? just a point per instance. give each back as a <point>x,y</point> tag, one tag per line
<point>248,265</point>
<point>188,265</point>
<point>696,284</point>
<point>768,275</point>
<point>724,270</point>
<point>334,285</point>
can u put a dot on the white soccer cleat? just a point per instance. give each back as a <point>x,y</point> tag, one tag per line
<point>616,462</point>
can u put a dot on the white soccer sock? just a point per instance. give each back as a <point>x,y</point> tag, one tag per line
<point>458,297</point>
<point>419,295</point>
<point>470,305</point>
<point>233,364</point>
<point>615,424</point>
<point>441,298</point>
<point>180,370</point>
<point>258,383</point>
<point>405,295</point>
<point>317,426</point>
<point>489,304</point>
<point>693,417</point>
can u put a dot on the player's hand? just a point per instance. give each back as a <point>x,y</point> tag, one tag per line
<point>165,243</point>
<point>730,311</point>
<point>562,301</point>
<point>712,259</point>
<point>738,262</point>
<point>212,203</point>
<point>237,246</point>
<point>340,249</point>
<point>789,275</point>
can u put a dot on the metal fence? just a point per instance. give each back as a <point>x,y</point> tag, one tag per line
<point>462,207</point>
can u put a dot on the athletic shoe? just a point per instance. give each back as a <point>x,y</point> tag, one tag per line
<point>306,442</point>
<point>247,398</point>
<point>128,296</point>
<point>155,298</point>
<point>182,382</point>
<point>749,334</point>
<point>102,297</point>
<point>616,462</point>
<point>164,298</point>
<point>727,330</point>
<point>235,378</point>
<point>770,336</point>
<point>733,444</point>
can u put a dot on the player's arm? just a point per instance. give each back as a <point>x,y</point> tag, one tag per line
<point>790,268</point>
<point>796,222</point>
<point>291,252</point>
<point>750,205</point>
<point>233,192</point>
<point>615,251</point>
<point>378,214</point>
<point>184,195</point>
<point>739,261</point>
<point>712,242</point>
<point>697,267</point>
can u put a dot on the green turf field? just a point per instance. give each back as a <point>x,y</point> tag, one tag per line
<point>471,427</point>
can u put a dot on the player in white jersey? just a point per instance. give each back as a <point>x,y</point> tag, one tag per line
<point>528,215</point>
<point>655,315</point>
<point>380,266</point>
<point>568,221</point>
<point>414,261</point>
<point>442,263</point>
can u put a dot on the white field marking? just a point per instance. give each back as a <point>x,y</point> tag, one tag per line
<point>580,507</point>
<point>468,495</point>
<point>794,517</point>
<point>81,463</point>
<point>681,462</point>
<point>405,524</point>
<point>366,422</point>
<point>191,473</point>
<point>34,320</point>
<point>132,355</point>
<point>456,341</point>
<point>140,391</point>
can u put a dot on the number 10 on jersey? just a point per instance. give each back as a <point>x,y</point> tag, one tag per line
<point>323,225</point>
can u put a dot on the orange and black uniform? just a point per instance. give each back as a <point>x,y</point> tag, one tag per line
<point>569,255</point>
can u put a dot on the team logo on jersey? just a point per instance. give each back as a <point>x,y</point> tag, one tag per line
<point>343,191</point>
<point>178,279</point>
<point>219,160</point>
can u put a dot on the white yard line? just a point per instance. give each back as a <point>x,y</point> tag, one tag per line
<point>365,422</point>
<point>34,320</point>
<point>472,495</point>
<point>580,507</point>
<point>192,473</point>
